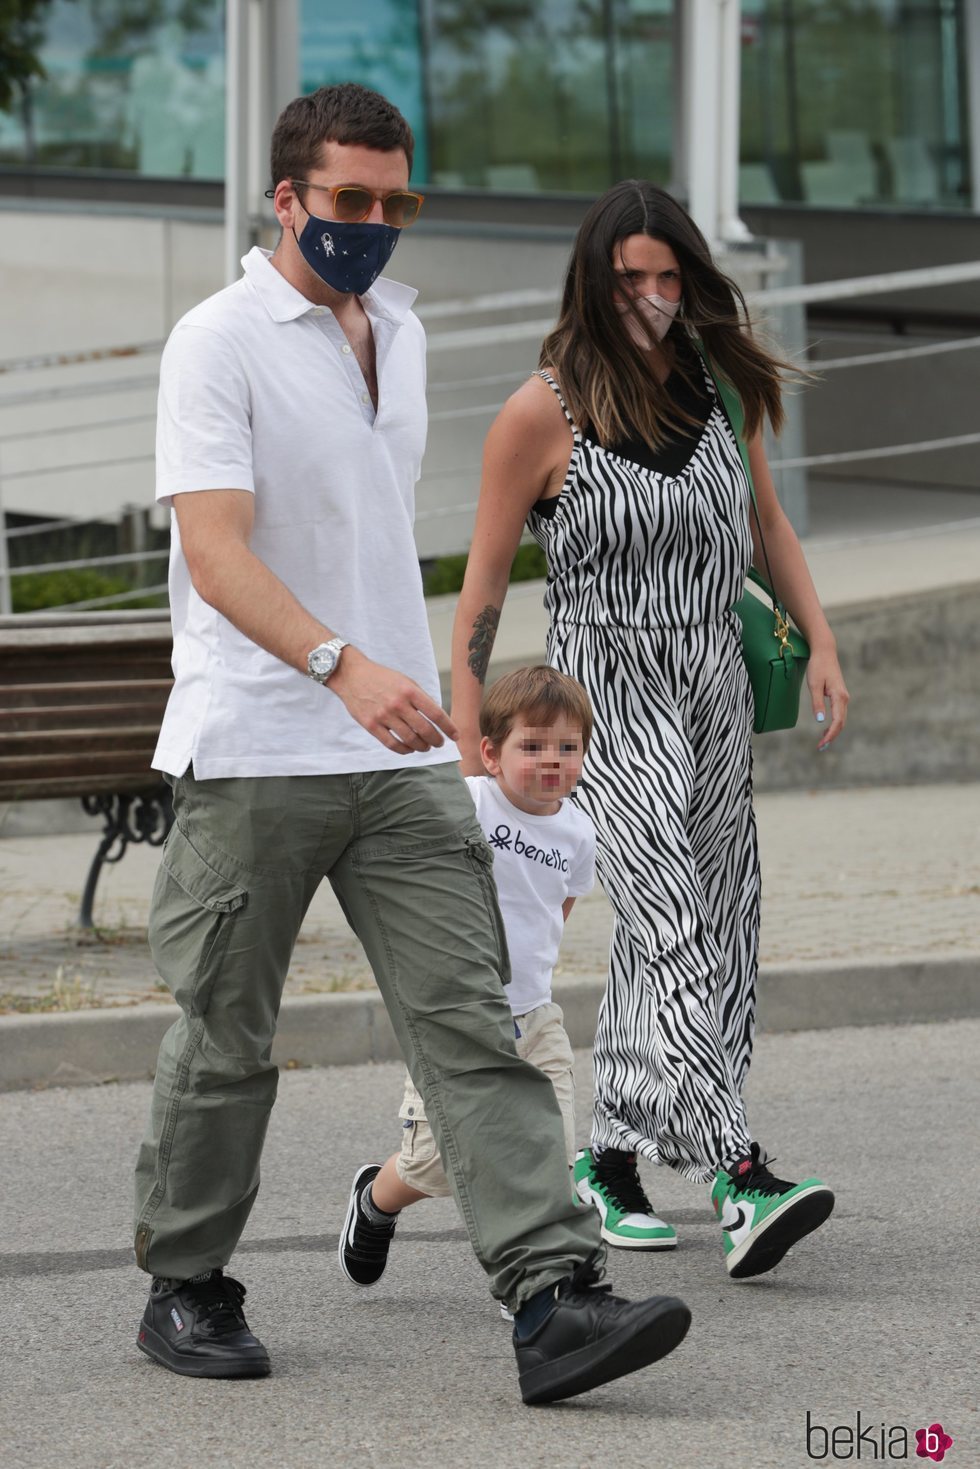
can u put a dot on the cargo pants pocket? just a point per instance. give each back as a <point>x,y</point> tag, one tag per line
<point>481,858</point>
<point>191,922</point>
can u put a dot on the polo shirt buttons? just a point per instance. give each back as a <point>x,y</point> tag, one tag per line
<point>319,311</point>
<point>346,349</point>
<point>365,397</point>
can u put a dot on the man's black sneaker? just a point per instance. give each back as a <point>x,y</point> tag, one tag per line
<point>196,1327</point>
<point>363,1247</point>
<point>591,1336</point>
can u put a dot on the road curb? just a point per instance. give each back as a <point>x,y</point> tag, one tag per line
<point>120,1043</point>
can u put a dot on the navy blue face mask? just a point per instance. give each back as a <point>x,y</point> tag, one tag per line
<point>348,257</point>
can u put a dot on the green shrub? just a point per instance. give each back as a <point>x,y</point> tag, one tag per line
<point>529,564</point>
<point>40,589</point>
<point>446,573</point>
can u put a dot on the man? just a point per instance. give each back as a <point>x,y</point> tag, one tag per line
<point>303,739</point>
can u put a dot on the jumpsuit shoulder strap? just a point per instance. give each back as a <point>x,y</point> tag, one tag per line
<point>552,384</point>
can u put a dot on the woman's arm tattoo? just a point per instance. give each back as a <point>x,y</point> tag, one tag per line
<point>481,643</point>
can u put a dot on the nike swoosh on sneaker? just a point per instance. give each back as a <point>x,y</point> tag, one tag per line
<point>736,1223</point>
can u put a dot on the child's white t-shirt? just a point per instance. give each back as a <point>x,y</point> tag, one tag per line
<point>538,862</point>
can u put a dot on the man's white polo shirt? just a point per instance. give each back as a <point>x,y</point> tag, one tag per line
<point>260,391</point>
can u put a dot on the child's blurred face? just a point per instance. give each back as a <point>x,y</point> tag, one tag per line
<point>536,766</point>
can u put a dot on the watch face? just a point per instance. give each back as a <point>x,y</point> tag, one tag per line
<point>323,662</point>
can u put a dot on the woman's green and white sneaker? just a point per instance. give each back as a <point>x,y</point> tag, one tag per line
<point>611,1183</point>
<point>761,1216</point>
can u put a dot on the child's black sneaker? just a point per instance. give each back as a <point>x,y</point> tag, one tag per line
<point>197,1328</point>
<point>364,1242</point>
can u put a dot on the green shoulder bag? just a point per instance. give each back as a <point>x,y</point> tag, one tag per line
<point>775,653</point>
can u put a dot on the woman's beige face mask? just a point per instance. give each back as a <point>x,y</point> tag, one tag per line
<point>648,318</point>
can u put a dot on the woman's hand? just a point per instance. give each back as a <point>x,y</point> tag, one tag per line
<point>780,549</point>
<point>826,684</point>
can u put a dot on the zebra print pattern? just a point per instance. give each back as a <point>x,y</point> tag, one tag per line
<point>643,572</point>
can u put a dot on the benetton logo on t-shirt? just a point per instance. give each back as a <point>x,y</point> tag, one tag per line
<point>501,836</point>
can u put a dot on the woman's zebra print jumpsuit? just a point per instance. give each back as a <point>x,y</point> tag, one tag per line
<point>643,571</point>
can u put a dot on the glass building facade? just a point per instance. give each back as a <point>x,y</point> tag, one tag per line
<point>844,102</point>
<point>133,87</point>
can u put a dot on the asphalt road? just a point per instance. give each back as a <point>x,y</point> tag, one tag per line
<point>873,1315</point>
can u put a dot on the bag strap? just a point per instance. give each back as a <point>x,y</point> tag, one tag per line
<point>731,406</point>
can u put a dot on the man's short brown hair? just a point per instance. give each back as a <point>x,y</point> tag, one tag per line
<point>345,113</point>
<point>537,696</point>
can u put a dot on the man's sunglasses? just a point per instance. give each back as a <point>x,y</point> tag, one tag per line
<point>352,203</point>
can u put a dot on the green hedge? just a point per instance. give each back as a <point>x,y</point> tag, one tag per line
<point>40,589</point>
<point>446,574</point>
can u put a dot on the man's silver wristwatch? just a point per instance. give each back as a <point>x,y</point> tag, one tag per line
<point>322,662</point>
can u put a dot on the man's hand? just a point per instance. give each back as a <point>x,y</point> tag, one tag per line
<point>390,706</point>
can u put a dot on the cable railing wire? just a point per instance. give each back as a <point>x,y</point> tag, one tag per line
<point>80,390</point>
<point>468,337</point>
<point>471,411</point>
<point>36,471</point>
<point>940,528</point>
<point>886,451</point>
<point>111,600</point>
<point>76,428</point>
<point>455,385</point>
<point>81,563</point>
<point>463,384</point>
<point>809,461</point>
<point>39,528</point>
<point>898,354</point>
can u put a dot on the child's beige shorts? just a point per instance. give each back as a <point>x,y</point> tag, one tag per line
<point>542,1041</point>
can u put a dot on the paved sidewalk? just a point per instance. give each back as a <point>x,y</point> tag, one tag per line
<point>884,874</point>
<point>871,913</point>
<point>871,1315</point>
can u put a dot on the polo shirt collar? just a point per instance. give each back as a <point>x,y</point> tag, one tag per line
<point>387,299</point>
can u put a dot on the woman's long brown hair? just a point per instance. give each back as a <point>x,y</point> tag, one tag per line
<point>604,378</point>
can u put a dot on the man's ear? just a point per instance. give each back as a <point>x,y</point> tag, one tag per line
<point>285,202</point>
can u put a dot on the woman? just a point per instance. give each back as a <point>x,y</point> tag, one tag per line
<point>619,456</point>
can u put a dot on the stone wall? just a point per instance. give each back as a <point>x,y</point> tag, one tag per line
<point>912,666</point>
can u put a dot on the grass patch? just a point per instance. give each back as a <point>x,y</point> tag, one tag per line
<point>107,938</point>
<point>341,983</point>
<point>67,993</point>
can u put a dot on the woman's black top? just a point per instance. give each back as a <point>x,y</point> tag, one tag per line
<point>672,456</point>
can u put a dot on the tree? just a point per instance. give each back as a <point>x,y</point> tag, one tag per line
<point>122,26</point>
<point>22,33</point>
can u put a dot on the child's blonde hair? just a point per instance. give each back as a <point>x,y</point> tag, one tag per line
<point>538,695</point>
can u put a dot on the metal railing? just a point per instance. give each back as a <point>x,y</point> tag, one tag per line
<point>471,338</point>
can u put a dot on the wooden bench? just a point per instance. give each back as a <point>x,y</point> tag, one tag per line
<point>81,699</point>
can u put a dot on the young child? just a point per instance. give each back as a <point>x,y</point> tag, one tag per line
<point>535,725</point>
